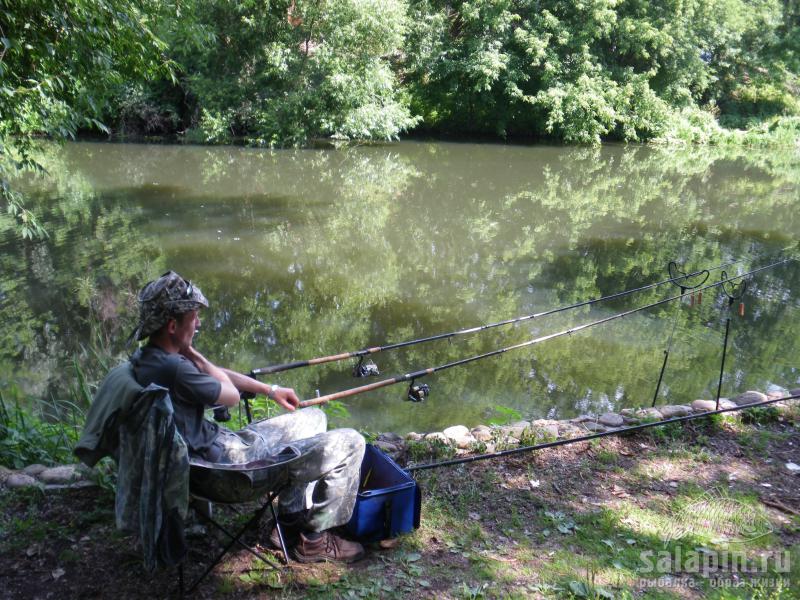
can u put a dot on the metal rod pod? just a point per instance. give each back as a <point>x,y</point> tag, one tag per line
<point>722,364</point>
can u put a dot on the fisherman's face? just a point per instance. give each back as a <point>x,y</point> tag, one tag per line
<point>185,327</point>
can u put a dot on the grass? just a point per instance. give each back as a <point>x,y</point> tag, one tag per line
<point>581,551</point>
<point>603,519</point>
<point>599,553</point>
<point>30,436</point>
<point>44,431</point>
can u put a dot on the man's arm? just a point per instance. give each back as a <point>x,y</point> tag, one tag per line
<point>233,382</point>
<point>228,394</point>
<point>285,397</point>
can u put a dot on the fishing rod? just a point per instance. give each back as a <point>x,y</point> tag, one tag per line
<point>362,370</point>
<point>417,393</point>
<point>586,438</point>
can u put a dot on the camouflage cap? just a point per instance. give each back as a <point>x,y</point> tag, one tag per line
<point>167,297</point>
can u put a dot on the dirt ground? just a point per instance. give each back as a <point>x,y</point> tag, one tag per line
<point>64,545</point>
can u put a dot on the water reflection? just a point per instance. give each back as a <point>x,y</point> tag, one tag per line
<point>311,252</point>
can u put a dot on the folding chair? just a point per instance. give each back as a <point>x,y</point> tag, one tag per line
<point>236,484</point>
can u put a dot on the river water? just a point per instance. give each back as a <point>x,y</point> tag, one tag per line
<point>307,253</point>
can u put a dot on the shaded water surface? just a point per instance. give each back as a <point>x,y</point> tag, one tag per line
<point>314,252</point>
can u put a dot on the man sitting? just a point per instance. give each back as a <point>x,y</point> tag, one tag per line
<point>329,461</point>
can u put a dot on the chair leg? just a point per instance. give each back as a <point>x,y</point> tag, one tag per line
<point>235,539</point>
<point>280,534</point>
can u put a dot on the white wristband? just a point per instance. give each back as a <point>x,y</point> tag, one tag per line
<point>272,389</point>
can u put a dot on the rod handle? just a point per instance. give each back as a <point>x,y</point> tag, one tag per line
<point>312,402</point>
<point>345,393</point>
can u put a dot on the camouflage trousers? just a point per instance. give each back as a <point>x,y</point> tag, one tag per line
<point>323,481</point>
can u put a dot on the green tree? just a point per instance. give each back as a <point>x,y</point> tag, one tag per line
<point>280,73</point>
<point>59,63</point>
<point>586,71</point>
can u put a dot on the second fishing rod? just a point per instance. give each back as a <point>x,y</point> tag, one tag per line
<point>419,392</point>
<point>362,369</point>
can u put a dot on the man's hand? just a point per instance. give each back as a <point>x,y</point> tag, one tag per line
<point>192,354</point>
<point>284,397</point>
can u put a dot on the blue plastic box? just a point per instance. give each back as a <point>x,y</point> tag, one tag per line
<point>388,501</point>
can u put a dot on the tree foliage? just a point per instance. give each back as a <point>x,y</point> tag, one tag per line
<point>283,72</point>
<point>585,71</point>
<point>59,65</point>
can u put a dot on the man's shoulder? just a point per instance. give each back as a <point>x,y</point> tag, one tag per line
<point>155,356</point>
<point>152,364</point>
<point>183,365</point>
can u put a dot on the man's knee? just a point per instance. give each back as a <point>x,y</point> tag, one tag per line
<point>308,421</point>
<point>353,441</point>
<point>315,418</point>
<point>312,412</point>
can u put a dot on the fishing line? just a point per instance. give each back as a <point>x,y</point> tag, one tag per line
<point>362,369</point>
<point>421,392</point>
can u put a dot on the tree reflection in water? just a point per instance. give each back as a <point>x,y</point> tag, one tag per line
<point>311,252</point>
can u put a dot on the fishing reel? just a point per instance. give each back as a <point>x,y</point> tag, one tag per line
<point>368,369</point>
<point>418,392</point>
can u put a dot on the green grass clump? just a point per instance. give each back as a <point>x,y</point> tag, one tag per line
<point>429,450</point>
<point>760,415</point>
<point>29,437</point>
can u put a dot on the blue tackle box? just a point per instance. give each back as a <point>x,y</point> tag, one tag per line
<point>388,501</point>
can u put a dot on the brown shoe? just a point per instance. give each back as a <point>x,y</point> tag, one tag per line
<point>291,526</point>
<point>327,547</point>
<point>290,536</point>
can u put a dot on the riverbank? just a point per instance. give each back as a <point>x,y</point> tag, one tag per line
<point>689,127</point>
<point>587,520</point>
<point>458,440</point>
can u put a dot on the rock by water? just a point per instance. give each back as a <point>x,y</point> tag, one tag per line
<point>704,405</point>
<point>611,420</point>
<point>21,480</point>
<point>750,397</point>
<point>672,411</point>
<point>455,432</point>
<point>34,470</point>
<point>482,433</point>
<point>61,475</point>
